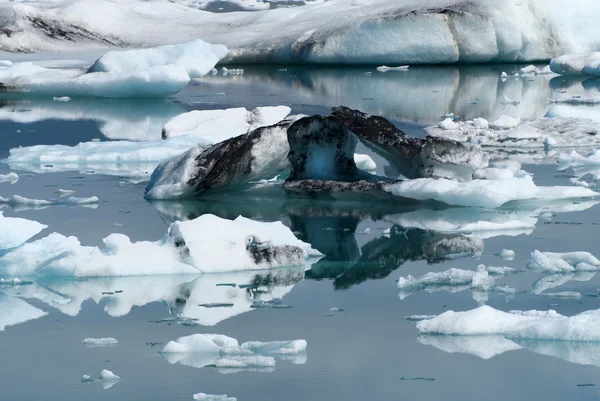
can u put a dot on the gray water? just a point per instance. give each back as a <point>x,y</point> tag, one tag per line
<point>360,353</point>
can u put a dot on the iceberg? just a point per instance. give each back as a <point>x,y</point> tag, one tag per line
<point>200,350</point>
<point>581,165</point>
<point>207,244</point>
<point>100,342</point>
<point>335,31</point>
<point>17,201</point>
<point>563,262</point>
<point>197,58</point>
<point>15,231</point>
<point>577,63</point>
<point>108,376</point>
<point>450,280</point>
<point>214,126</point>
<point>507,254</point>
<point>532,325</point>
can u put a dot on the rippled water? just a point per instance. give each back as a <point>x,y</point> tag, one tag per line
<point>366,351</point>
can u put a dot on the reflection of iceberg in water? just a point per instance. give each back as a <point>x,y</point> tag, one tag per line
<point>481,347</point>
<point>548,282</point>
<point>435,91</point>
<point>134,120</point>
<point>14,311</point>
<point>487,347</point>
<point>219,294</point>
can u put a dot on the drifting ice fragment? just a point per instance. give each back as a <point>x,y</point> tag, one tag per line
<point>563,262</point>
<point>100,342</point>
<point>10,177</point>
<point>108,376</point>
<point>17,200</point>
<point>86,379</point>
<point>507,254</point>
<point>385,68</point>
<point>61,99</point>
<point>213,397</point>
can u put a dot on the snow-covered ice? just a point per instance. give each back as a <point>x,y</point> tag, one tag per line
<point>507,254</point>
<point>100,342</point>
<point>197,58</point>
<point>207,244</point>
<point>199,350</point>
<point>335,31</point>
<point>15,231</point>
<point>214,126</point>
<point>510,132</point>
<point>563,262</point>
<point>535,325</point>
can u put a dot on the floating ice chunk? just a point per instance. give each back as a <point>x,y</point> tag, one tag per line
<point>486,320</point>
<point>581,165</point>
<point>153,82</point>
<point>364,162</point>
<point>201,350</point>
<point>574,63</point>
<point>100,342</point>
<point>450,280</point>
<point>214,126</point>
<point>481,123</point>
<point>14,311</point>
<point>385,68</point>
<point>482,347</point>
<point>501,271</point>
<point>15,231</point>
<point>232,71</point>
<point>197,58</point>
<point>335,310</point>
<point>481,279</point>
<point>61,99</point>
<point>212,397</point>
<point>563,295</point>
<point>418,318</point>
<point>448,124</point>
<point>10,177</point>
<point>563,262</point>
<point>17,200</point>
<point>530,69</point>
<point>86,379</point>
<point>206,244</point>
<point>108,376</point>
<point>505,122</point>
<point>507,254</point>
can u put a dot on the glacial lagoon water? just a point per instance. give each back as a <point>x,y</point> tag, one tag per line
<point>366,351</point>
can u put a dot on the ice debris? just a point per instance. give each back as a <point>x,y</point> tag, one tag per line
<point>212,397</point>
<point>100,342</point>
<point>385,68</point>
<point>108,376</point>
<point>449,280</point>
<point>10,177</point>
<point>563,262</point>
<point>507,254</point>
<point>17,200</point>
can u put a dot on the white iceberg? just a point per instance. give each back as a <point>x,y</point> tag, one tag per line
<point>450,280</point>
<point>207,244</point>
<point>507,254</point>
<point>483,193</point>
<point>100,342</point>
<point>385,68</point>
<point>17,200</point>
<point>15,231</point>
<point>563,262</point>
<point>197,58</point>
<point>108,376</point>
<point>364,162</point>
<point>576,63</point>
<point>200,350</point>
<point>335,31</point>
<point>214,126</point>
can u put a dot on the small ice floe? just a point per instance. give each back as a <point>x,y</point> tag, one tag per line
<point>212,397</point>
<point>17,200</point>
<point>448,124</point>
<point>61,99</point>
<point>563,262</point>
<point>577,63</point>
<point>100,342</point>
<point>452,280</point>
<point>10,177</point>
<point>507,254</point>
<point>335,310</point>
<point>86,379</point>
<point>481,123</point>
<point>64,192</point>
<point>385,68</point>
<point>562,295</point>
<point>108,376</point>
<point>418,318</point>
<point>271,304</point>
<point>506,76</point>
<point>505,122</point>
<point>509,102</point>
<point>14,231</point>
<point>501,271</point>
<point>200,350</point>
